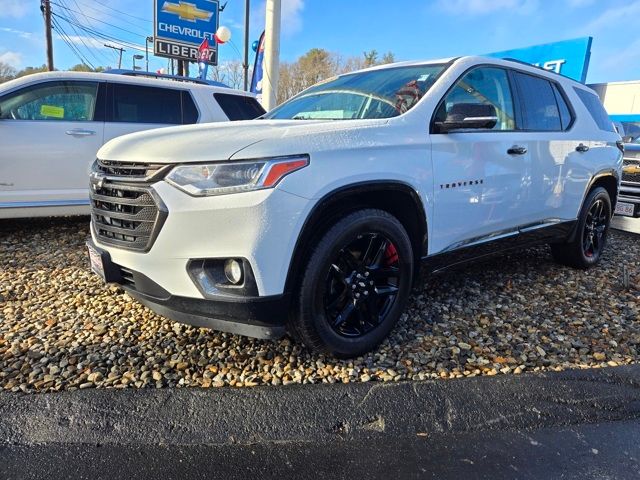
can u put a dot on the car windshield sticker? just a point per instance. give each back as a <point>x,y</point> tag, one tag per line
<point>52,111</point>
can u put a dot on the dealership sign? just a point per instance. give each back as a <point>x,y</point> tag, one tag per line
<point>180,27</point>
<point>569,58</point>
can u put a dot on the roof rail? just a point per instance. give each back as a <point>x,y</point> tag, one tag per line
<point>176,78</point>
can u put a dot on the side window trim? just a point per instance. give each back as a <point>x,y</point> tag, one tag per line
<point>453,85</point>
<point>516,99</point>
<point>109,106</point>
<point>183,96</point>
<point>100,110</point>
<point>563,95</point>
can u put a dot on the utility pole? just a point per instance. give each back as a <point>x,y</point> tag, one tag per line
<point>146,50</point>
<point>45,7</point>
<point>271,55</point>
<point>117,49</point>
<point>245,65</point>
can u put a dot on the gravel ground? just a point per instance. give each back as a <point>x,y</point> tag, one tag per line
<point>62,329</point>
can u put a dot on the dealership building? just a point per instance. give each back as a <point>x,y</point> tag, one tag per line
<point>622,101</point>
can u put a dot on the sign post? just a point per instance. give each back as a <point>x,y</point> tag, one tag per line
<point>180,27</point>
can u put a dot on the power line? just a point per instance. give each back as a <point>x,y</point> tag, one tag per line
<point>118,14</point>
<point>123,13</point>
<point>118,17</point>
<point>101,35</point>
<point>92,51</point>
<point>102,21</point>
<point>120,51</point>
<point>65,38</point>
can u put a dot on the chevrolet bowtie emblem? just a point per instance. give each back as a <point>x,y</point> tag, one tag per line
<point>633,169</point>
<point>187,11</point>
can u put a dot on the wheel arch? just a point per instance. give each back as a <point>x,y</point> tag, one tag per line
<point>398,198</point>
<point>610,181</point>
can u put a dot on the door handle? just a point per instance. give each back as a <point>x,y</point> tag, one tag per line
<point>517,150</point>
<point>582,148</point>
<point>80,133</point>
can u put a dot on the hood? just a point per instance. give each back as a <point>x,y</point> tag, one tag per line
<point>217,141</point>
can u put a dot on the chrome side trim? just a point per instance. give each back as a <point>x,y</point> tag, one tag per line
<point>483,239</point>
<point>48,203</point>
<point>550,222</point>
<point>504,234</point>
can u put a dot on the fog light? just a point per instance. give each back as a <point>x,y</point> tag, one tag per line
<point>233,271</point>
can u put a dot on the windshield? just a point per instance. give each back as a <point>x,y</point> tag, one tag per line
<point>381,93</point>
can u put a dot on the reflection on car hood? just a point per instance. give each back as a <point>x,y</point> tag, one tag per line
<point>218,141</point>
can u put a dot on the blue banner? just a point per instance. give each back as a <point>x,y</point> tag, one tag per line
<point>258,68</point>
<point>569,57</point>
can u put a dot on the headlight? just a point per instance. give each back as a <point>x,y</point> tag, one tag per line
<point>233,177</point>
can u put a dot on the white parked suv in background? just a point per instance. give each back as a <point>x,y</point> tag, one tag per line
<point>52,125</point>
<point>316,218</point>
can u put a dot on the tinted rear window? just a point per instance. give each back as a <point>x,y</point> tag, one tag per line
<point>138,104</point>
<point>597,111</point>
<point>539,107</point>
<point>239,107</point>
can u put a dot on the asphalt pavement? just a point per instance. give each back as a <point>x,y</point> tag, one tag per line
<point>580,424</point>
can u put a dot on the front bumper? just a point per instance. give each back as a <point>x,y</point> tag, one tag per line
<point>261,227</point>
<point>630,193</point>
<point>258,317</point>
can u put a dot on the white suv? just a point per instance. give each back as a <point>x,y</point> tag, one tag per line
<point>52,125</point>
<point>315,218</point>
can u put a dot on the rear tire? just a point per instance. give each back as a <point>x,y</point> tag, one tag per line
<point>355,285</point>
<point>590,238</point>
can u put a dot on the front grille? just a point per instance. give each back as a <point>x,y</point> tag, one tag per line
<point>631,177</point>
<point>131,171</point>
<point>125,212</point>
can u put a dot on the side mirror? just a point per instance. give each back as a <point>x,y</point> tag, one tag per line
<point>468,116</point>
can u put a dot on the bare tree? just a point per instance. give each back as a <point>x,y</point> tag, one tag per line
<point>7,72</point>
<point>30,70</point>
<point>235,74</point>
<point>317,65</point>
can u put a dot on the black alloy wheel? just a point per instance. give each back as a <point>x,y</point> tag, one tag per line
<point>595,228</point>
<point>355,285</point>
<point>362,285</point>
<point>586,245</point>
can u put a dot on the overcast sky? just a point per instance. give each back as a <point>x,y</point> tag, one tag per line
<point>412,29</point>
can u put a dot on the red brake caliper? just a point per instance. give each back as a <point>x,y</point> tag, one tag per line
<point>390,255</point>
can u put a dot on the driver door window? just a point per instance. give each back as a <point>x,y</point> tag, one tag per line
<point>52,101</point>
<point>482,86</point>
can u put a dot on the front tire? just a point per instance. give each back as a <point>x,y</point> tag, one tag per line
<point>585,250</point>
<point>355,285</point>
